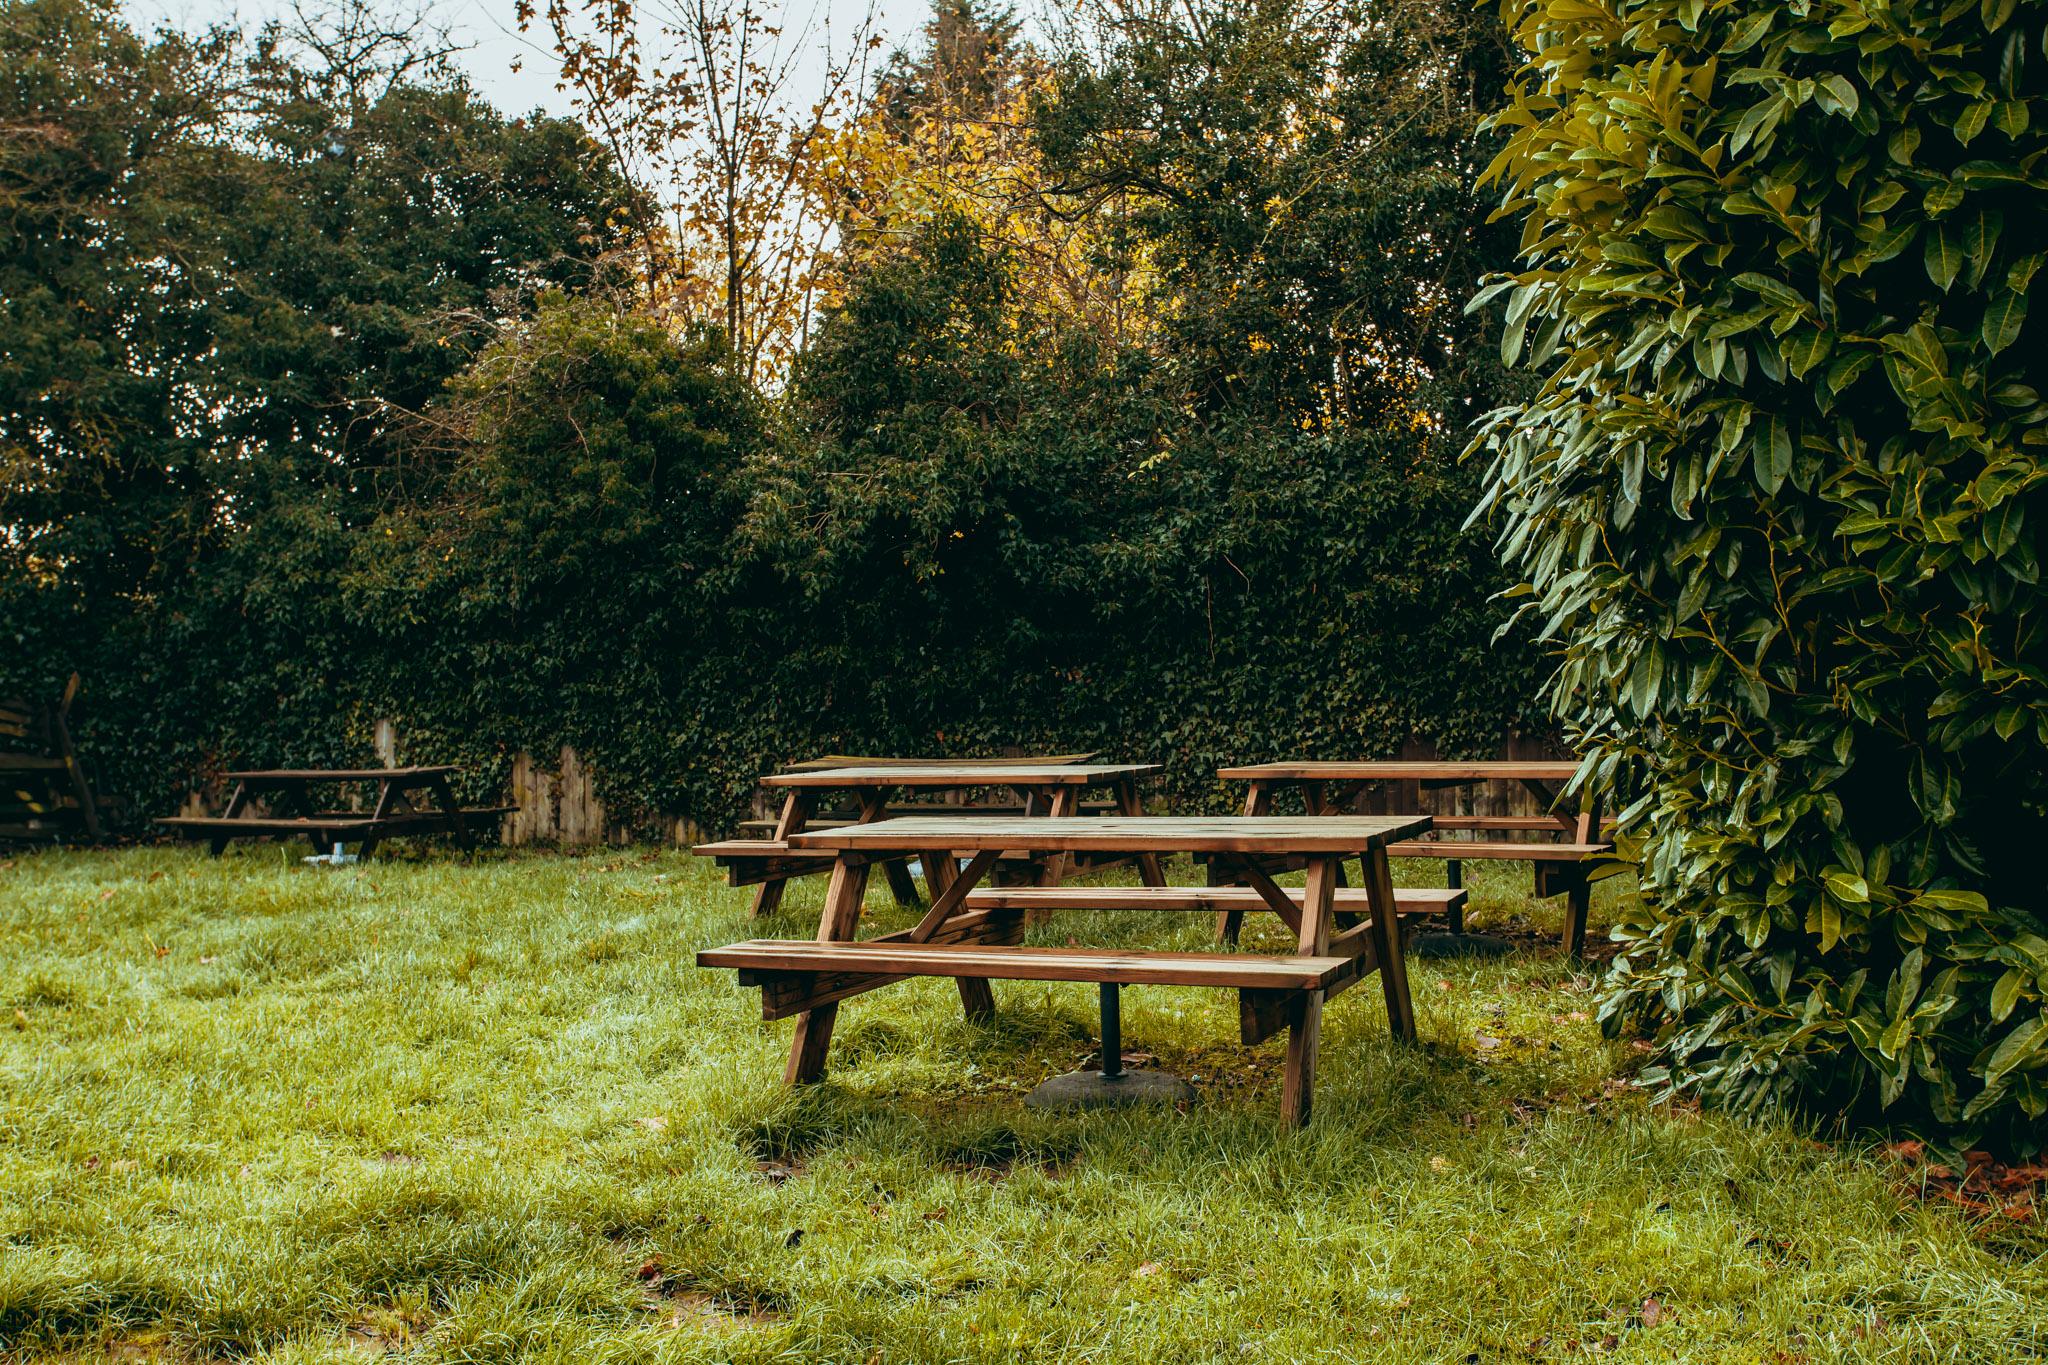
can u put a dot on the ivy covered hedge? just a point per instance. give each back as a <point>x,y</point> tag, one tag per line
<point>1782,500</point>
<point>396,434</point>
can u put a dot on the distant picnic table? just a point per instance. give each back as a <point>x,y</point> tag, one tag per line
<point>1560,860</point>
<point>1044,788</point>
<point>44,792</point>
<point>397,810</point>
<point>974,937</point>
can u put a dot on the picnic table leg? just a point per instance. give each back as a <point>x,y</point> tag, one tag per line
<point>1065,801</point>
<point>977,996</point>
<point>298,796</point>
<point>1578,904</point>
<point>1258,800</point>
<point>1305,1014</point>
<point>1454,878</point>
<point>1386,942</point>
<point>837,924</point>
<point>797,806</point>
<point>1127,803</point>
<point>901,884</point>
<point>1316,801</point>
<point>385,799</point>
<point>874,805</point>
<point>444,792</point>
<point>1228,922</point>
<point>939,871</point>
<point>60,735</point>
<point>237,802</point>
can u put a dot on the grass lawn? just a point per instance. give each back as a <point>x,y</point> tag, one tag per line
<point>491,1112</point>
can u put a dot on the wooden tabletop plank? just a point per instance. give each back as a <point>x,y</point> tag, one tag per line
<point>1345,770</point>
<point>1125,833</point>
<point>337,774</point>
<point>963,775</point>
<point>861,761</point>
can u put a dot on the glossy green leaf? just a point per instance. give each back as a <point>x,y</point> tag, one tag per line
<point>2003,320</point>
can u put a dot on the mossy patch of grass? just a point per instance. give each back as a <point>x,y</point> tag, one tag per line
<point>431,1110</point>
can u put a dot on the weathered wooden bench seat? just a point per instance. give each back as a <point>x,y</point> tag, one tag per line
<point>1559,867</point>
<point>761,957</point>
<point>799,975</point>
<point>1429,900</point>
<point>1479,850</point>
<point>344,828</point>
<point>749,862</point>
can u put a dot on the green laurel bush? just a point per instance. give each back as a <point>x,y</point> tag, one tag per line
<point>1781,501</point>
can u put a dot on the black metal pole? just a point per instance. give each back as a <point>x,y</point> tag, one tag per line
<point>1112,1031</point>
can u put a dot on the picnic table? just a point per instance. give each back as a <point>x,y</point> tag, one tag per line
<point>43,786</point>
<point>1045,788</point>
<point>1560,860</point>
<point>975,940</point>
<point>397,809</point>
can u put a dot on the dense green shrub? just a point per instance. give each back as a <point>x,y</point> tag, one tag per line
<point>1004,530</point>
<point>566,584</point>
<point>1782,501</point>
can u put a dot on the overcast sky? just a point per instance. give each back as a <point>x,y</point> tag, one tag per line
<point>495,43</point>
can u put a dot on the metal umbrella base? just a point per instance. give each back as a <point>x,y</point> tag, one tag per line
<point>1111,1087</point>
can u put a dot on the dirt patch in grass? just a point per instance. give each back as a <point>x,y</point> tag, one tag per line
<point>385,1330</point>
<point>681,1303</point>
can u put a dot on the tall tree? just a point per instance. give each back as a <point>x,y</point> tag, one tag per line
<point>720,114</point>
<point>223,279</point>
<point>1297,179</point>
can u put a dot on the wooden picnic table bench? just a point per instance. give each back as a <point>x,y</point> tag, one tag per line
<point>1559,844</point>
<point>396,812</point>
<point>1043,787</point>
<point>44,791</point>
<point>973,937</point>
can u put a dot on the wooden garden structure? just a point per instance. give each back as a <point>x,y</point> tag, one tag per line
<point>1043,788</point>
<point>1562,845</point>
<point>289,796</point>
<point>974,938</point>
<point>44,791</point>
